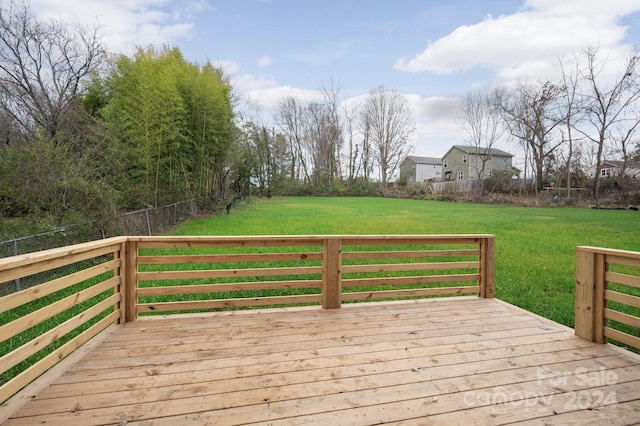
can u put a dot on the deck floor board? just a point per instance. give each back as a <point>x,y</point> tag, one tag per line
<point>434,361</point>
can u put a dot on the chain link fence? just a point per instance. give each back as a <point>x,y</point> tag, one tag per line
<point>153,221</point>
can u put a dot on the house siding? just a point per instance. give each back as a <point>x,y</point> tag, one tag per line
<point>463,159</point>
<point>421,169</point>
<point>613,169</point>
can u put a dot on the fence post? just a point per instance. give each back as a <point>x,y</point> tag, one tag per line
<point>331,273</point>
<point>146,215</point>
<point>131,281</point>
<point>585,286</point>
<point>488,267</point>
<point>15,253</point>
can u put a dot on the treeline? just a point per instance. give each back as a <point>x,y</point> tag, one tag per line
<point>85,134</point>
<point>586,115</point>
<point>327,146</point>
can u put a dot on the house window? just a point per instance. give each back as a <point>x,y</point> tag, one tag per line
<point>605,172</point>
<point>445,163</point>
<point>460,175</point>
<point>464,159</point>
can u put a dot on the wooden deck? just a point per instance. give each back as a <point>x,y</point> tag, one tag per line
<point>462,360</point>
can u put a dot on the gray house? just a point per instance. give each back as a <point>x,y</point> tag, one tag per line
<point>471,163</point>
<point>420,169</point>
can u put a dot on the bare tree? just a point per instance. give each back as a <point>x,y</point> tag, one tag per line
<point>532,114</point>
<point>319,132</point>
<point>353,166</point>
<point>480,118</point>
<point>41,67</point>
<point>387,123</point>
<point>335,126</point>
<point>291,120</point>
<point>570,84</point>
<point>610,106</point>
<point>367,157</point>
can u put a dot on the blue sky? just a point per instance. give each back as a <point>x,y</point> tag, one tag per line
<point>433,51</point>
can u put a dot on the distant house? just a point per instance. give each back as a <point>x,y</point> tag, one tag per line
<point>469,162</point>
<point>612,168</point>
<point>421,169</point>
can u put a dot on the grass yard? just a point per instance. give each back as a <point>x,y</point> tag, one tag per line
<point>535,265</point>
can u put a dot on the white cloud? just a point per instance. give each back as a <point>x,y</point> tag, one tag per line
<point>436,129</point>
<point>125,24</point>
<point>543,30</point>
<point>264,61</point>
<point>269,98</point>
<point>525,45</point>
<point>435,122</point>
<point>229,66</point>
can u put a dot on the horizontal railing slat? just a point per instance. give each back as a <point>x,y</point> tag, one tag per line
<point>398,267</point>
<point>621,260</point>
<point>227,273</point>
<point>229,303</point>
<point>422,292</point>
<point>408,254</point>
<point>216,288</point>
<point>26,265</point>
<point>423,279</point>
<point>624,254</point>
<point>225,241</point>
<point>228,258</point>
<point>621,317</point>
<point>25,322</point>
<point>615,277</point>
<point>23,352</point>
<point>622,337</point>
<point>37,292</point>
<point>374,240</point>
<point>626,299</point>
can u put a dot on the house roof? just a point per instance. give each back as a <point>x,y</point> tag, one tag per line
<point>481,150</point>
<point>424,160</point>
<point>617,163</point>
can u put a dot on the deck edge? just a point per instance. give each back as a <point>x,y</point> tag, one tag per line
<point>17,401</point>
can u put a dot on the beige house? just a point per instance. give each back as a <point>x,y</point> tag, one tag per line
<point>471,163</point>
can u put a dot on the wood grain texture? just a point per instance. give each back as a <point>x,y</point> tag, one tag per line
<point>435,361</point>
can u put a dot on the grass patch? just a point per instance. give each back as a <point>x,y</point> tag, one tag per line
<point>535,255</point>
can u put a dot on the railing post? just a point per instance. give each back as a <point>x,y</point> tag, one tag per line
<point>599,322</point>
<point>131,282</point>
<point>121,273</point>
<point>585,286</point>
<point>331,273</point>
<point>488,267</point>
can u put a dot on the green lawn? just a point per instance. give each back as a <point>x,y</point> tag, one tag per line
<point>535,264</point>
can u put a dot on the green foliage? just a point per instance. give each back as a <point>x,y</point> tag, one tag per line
<point>154,130</point>
<point>58,179</point>
<point>147,116</point>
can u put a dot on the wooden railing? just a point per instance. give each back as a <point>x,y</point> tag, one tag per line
<point>43,324</point>
<point>302,270</point>
<point>608,290</point>
<point>91,286</point>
